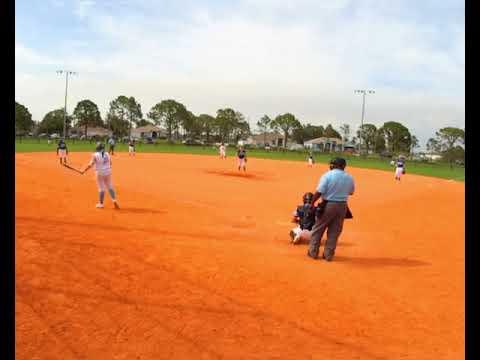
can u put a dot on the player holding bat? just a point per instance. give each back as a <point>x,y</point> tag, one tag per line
<point>103,166</point>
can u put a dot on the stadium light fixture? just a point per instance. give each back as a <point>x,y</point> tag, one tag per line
<point>364,93</point>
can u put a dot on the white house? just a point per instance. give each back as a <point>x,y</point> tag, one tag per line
<point>147,131</point>
<point>271,139</point>
<point>91,131</point>
<point>324,144</point>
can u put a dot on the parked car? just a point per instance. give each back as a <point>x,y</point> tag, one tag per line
<point>192,142</point>
<point>54,136</point>
<point>42,135</point>
<point>73,136</point>
<point>149,140</point>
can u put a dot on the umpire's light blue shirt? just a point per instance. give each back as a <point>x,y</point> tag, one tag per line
<point>336,185</point>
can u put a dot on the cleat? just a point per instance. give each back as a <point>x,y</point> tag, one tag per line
<point>99,206</point>
<point>296,239</point>
<point>116,205</point>
<point>292,236</point>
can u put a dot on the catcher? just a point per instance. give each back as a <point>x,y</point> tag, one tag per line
<point>304,216</point>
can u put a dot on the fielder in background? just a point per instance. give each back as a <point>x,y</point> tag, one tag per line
<point>310,160</point>
<point>103,167</point>
<point>111,146</point>
<point>223,154</point>
<point>304,216</point>
<point>62,151</point>
<point>334,188</point>
<point>242,158</point>
<point>399,168</point>
<point>131,147</point>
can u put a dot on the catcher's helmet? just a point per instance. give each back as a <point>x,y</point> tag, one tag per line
<point>338,163</point>
<point>100,147</point>
<point>307,198</point>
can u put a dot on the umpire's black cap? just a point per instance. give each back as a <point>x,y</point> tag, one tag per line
<point>338,163</point>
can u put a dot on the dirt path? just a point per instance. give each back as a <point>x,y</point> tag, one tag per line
<point>197,264</point>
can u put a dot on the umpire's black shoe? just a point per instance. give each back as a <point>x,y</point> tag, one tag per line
<point>327,258</point>
<point>312,256</point>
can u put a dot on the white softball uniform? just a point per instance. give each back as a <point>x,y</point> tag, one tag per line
<point>310,162</point>
<point>103,167</point>
<point>62,154</point>
<point>222,151</point>
<point>131,149</point>
<point>241,162</point>
<point>304,235</point>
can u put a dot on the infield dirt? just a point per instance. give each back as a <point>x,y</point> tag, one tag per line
<point>197,264</point>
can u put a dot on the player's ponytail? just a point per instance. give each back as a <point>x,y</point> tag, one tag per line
<point>100,147</point>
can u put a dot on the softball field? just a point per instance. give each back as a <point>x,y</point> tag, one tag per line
<point>197,264</point>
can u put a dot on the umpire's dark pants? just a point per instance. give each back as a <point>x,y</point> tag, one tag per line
<point>332,221</point>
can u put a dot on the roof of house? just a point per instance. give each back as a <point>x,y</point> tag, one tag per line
<point>146,128</point>
<point>93,130</point>
<point>268,136</point>
<point>324,140</point>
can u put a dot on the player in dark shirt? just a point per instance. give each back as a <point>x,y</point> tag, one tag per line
<point>399,168</point>
<point>62,151</point>
<point>304,216</point>
<point>131,147</point>
<point>242,158</point>
<point>310,160</point>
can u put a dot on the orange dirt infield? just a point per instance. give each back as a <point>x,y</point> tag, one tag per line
<point>197,264</point>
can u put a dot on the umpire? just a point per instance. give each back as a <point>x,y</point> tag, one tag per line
<point>334,188</point>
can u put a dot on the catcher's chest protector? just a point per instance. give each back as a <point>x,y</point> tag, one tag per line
<point>306,213</point>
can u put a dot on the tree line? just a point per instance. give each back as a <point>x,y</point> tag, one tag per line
<point>229,126</point>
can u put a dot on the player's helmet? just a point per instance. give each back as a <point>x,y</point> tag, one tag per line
<point>338,163</point>
<point>307,198</point>
<point>100,146</point>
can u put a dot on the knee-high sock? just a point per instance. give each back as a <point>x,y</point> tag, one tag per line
<point>101,196</point>
<point>112,193</point>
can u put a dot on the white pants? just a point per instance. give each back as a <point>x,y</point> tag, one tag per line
<point>104,182</point>
<point>304,235</point>
<point>62,154</point>
<point>131,149</point>
<point>222,154</point>
<point>241,162</point>
<point>398,172</point>
<point>310,162</point>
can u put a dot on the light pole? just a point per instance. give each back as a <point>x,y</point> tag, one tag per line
<point>66,72</point>
<point>364,93</point>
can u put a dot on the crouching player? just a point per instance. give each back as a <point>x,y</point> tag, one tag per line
<point>103,167</point>
<point>304,216</point>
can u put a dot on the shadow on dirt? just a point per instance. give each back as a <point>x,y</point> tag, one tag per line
<point>379,262</point>
<point>237,174</point>
<point>131,210</point>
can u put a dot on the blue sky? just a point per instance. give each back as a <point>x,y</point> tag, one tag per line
<point>257,56</point>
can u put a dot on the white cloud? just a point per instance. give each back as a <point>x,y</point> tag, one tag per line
<point>25,55</point>
<point>308,64</point>
<point>82,8</point>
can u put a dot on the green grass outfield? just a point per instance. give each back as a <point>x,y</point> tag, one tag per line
<point>440,170</point>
